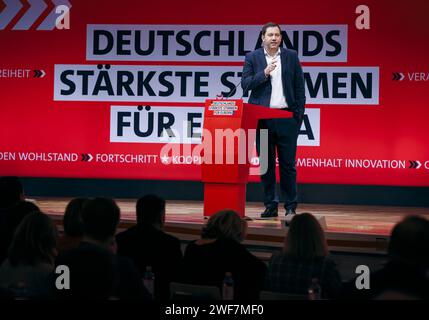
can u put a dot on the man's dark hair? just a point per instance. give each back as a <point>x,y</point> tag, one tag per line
<point>10,191</point>
<point>409,241</point>
<point>17,212</point>
<point>269,25</point>
<point>150,210</point>
<point>100,218</point>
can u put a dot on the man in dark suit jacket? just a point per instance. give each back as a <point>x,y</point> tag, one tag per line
<point>275,77</point>
<point>147,245</point>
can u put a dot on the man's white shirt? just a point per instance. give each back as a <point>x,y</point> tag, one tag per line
<point>277,96</point>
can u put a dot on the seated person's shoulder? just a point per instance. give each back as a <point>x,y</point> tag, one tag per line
<point>278,257</point>
<point>169,237</point>
<point>124,264</point>
<point>127,234</point>
<point>329,262</point>
<point>84,252</point>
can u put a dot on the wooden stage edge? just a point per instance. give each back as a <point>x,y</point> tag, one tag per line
<point>360,229</point>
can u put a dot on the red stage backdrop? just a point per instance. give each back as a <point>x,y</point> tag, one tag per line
<point>96,89</point>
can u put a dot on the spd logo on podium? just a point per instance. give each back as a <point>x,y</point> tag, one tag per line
<point>223,108</point>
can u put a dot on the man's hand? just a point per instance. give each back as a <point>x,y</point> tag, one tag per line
<point>270,67</point>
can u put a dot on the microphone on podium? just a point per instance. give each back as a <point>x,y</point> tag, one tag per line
<point>234,90</point>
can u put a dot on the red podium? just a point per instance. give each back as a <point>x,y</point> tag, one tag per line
<point>225,170</point>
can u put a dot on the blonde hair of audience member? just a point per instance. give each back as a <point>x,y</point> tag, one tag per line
<point>225,224</point>
<point>305,238</point>
<point>34,241</point>
<point>72,220</point>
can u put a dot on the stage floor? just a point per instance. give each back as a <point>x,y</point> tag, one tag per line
<point>363,229</point>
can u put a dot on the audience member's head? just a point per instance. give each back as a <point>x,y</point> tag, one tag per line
<point>225,224</point>
<point>100,218</point>
<point>150,210</point>
<point>13,217</point>
<point>409,241</point>
<point>17,212</point>
<point>11,191</point>
<point>72,220</point>
<point>305,238</point>
<point>34,241</point>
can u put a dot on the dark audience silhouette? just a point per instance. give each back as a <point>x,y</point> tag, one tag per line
<point>104,266</point>
<point>405,275</point>
<point>304,257</point>
<point>219,250</point>
<point>98,273</point>
<point>11,192</point>
<point>12,218</point>
<point>147,245</point>
<point>73,225</point>
<point>27,271</point>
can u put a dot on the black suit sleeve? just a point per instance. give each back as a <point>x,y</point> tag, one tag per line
<point>251,79</point>
<point>299,88</point>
